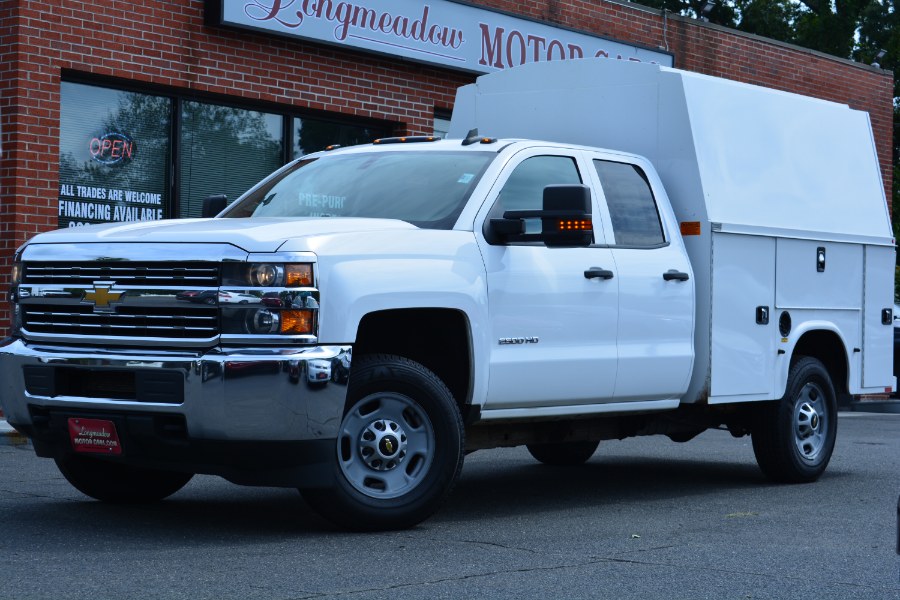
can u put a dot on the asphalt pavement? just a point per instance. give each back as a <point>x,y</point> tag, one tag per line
<point>645,518</point>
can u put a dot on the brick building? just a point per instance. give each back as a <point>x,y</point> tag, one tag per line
<point>119,111</point>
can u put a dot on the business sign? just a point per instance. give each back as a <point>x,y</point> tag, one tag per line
<point>438,32</point>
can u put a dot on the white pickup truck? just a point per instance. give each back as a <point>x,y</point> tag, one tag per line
<point>728,263</point>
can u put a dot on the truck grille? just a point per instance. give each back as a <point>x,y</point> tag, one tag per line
<point>114,301</point>
<point>189,322</point>
<point>151,274</point>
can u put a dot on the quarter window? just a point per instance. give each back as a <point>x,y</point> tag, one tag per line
<point>632,208</point>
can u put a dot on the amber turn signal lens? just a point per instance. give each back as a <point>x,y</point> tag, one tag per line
<point>296,322</point>
<point>575,225</point>
<point>299,275</point>
<point>690,228</point>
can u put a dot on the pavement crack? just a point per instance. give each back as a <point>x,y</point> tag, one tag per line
<point>570,565</point>
<point>497,545</point>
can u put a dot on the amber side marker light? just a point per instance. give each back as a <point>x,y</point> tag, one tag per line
<point>690,228</point>
<point>575,225</point>
<point>299,275</point>
<point>296,322</point>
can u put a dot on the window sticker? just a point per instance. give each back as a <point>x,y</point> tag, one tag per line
<point>322,205</point>
<point>466,178</point>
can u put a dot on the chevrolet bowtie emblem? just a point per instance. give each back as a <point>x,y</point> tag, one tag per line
<point>102,297</point>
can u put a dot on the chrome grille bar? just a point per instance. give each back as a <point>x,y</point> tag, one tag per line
<point>157,273</point>
<point>178,323</point>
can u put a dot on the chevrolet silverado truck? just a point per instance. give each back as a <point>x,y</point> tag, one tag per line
<point>678,253</point>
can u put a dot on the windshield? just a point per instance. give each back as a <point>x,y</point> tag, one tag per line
<point>427,189</point>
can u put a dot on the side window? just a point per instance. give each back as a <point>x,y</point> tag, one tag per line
<point>524,190</point>
<point>632,208</point>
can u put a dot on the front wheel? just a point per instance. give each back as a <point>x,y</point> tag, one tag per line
<point>399,449</point>
<point>120,484</point>
<point>794,437</point>
<point>564,454</point>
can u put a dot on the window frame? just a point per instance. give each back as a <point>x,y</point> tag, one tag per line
<point>510,167</point>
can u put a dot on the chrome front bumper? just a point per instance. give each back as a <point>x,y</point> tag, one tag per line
<point>240,395</point>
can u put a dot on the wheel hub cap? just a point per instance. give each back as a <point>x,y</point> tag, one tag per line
<point>810,421</point>
<point>382,445</point>
<point>386,445</point>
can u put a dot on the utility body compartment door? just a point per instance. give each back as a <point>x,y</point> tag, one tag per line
<point>744,319</point>
<point>878,338</point>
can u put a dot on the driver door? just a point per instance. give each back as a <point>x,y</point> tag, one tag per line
<point>553,329</point>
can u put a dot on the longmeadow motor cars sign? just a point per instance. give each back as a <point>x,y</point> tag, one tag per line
<point>440,32</point>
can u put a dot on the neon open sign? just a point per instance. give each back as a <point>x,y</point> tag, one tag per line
<point>113,148</point>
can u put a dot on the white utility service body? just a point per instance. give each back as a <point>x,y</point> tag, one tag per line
<point>769,177</point>
<point>678,253</point>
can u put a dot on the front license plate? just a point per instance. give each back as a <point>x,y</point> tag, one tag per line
<point>94,436</point>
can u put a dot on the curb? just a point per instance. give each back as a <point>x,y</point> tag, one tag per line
<point>9,436</point>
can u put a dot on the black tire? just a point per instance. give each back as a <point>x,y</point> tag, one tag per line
<point>120,484</point>
<point>399,451</point>
<point>793,438</point>
<point>564,454</point>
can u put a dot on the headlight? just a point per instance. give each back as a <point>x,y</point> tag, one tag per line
<point>267,321</point>
<point>16,276</point>
<point>268,302</point>
<point>260,321</point>
<point>266,275</point>
<point>263,275</point>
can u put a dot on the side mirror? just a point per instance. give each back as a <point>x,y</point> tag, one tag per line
<point>213,205</point>
<point>567,216</point>
<point>565,219</point>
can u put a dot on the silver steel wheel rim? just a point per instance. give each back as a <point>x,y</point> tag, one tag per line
<point>810,422</point>
<point>385,445</point>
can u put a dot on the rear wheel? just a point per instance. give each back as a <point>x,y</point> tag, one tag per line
<point>566,453</point>
<point>793,438</point>
<point>399,450</point>
<point>120,484</point>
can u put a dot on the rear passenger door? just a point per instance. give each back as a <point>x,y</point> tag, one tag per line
<point>656,291</point>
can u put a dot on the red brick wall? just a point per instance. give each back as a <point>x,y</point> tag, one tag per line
<point>166,43</point>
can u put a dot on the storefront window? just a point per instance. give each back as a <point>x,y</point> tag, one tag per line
<point>312,135</point>
<point>225,150</point>
<point>117,154</point>
<point>114,155</point>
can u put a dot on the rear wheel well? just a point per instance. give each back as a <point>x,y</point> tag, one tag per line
<point>437,338</point>
<point>829,349</point>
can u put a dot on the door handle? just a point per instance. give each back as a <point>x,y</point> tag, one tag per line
<point>677,275</point>
<point>598,273</point>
